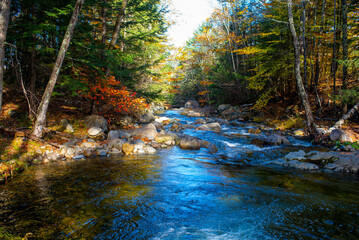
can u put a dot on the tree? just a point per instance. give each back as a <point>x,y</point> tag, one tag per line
<point>41,114</point>
<point>4,22</point>
<point>345,48</point>
<point>302,93</point>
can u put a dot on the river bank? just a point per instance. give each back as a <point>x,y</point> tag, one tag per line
<point>149,134</point>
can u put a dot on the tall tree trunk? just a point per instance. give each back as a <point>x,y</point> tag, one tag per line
<point>32,84</point>
<point>41,113</point>
<point>305,49</point>
<point>302,93</point>
<point>345,48</point>
<point>334,63</point>
<point>317,68</point>
<point>116,34</point>
<point>4,22</point>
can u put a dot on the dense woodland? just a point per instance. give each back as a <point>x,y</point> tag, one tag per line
<point>113,56</point>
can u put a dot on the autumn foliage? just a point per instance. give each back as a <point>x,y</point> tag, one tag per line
<point>110,96</point>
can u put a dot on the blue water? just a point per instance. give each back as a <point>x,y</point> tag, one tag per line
<point>182,194</point>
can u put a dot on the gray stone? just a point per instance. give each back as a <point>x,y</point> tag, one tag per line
<point>113,134</point>
<point>158,126</point>
<point>115,151</point>
<point>164,138</point>
<point>345,163</point>
<point>148,131</point>
<point>78,157</point>
<point>147,118</point>
<point>96,133</point>
<point>300,155</point>
<point>215,126</point>
<point>149,150</point>
<point>102,152</point>
<point>276,139</point>
<point>138,146</point>
<point>322,156</point>
<point>96,121</point>
<point>301,165</point>
<point>191,104</point>
<point>116,143</point>
<point>339,135</point>
<point>69,128</point>
<point>188,126</point>
<point>348,148</point>
<point>200,121</point>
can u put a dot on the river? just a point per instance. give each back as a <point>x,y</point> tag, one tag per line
<point>182,194</point>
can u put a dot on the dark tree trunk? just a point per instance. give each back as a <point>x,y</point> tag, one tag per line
<point>302,93</point>
<point>41,113</point>
<point>116,34</point>
<point>4,22</point>
<point>345,47</point>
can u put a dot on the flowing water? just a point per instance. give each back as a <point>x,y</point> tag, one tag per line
<point>181,194</point>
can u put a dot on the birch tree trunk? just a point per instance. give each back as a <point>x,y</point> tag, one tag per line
<point>42,110</point>
<point>302,93</point>
<point>4,22</point>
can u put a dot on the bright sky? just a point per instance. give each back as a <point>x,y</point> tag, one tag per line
<point>190,15</point>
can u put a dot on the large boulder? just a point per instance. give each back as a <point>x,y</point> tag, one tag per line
<point>147,118</point>
<point>192,143</point>
<point>340,135</point>
<point>191,104</point>
<point>96,121</point>
<point>149,131</point>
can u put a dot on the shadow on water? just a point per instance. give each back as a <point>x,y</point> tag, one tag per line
<point>181,194</point>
